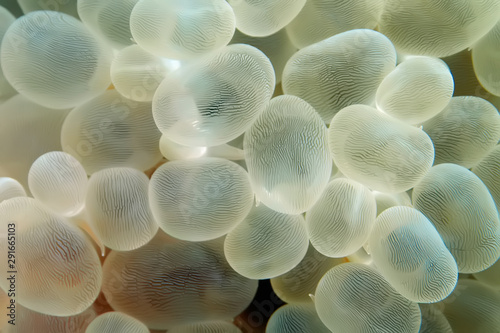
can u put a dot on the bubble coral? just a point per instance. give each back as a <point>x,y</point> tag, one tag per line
<point>201,145</point>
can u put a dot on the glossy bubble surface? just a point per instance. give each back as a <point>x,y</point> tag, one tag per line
<point>266,244</point>
<point>287,155</point>
<point>465,131</point>
<point>486,62</point>
<point>417,90</point>
<point>340,71</point>
<point>32,321</point>
<point>340,221</point>
<point>10,188</point>
<point>378,151</point>
<point>216,99</point>
<point>112,131</point>
<point>173,283</point>
<point>463,212</point>
<point>200,199</point>
<point>117,204</point>
<point>48,245</point>
<point>296,285</point>
<point>296,318</point>
<point>114,322</point>
<point>136,74</point>
<point>264,18</point>
<point>53,60</point>
<point>410,254</point>
<point>59,181</point>
<point>488,170</point>
<point>320,19</point>
<point>356,298</point>
<point>108,19</point>
<point>437,28</point>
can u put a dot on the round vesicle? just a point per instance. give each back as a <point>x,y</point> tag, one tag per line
<point>52,59</point>
<point>117,205</point>
<point>461,208</point>
<point>200,199</point>
<point>215,99</point>
<point>58,181</point>
<point>287,156</point>
<point>409,252</point>
<point>379,151</point>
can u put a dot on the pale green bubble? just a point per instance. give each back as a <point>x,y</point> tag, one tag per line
<point>461,208</point>
<point>53,60</point>
<point>409,252</point>
<point>117,205</point>
<point>287,155</point>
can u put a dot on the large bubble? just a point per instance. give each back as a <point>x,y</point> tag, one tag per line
<point>53,60</point>
<point>287,155</point>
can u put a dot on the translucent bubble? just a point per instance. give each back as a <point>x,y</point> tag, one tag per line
<point>114,322</point>
<point>356,298</point>
<point>388,200</point>
<point>58,270</point>
<point>296,318</point>
<point>298,284</point>
<point>463,212</point>
<point>10,188</point>
<point>27,131</point>
<point>340,71</point>
<point>65,6</point>
<point>53,60</point>
<point>340,221</point>
<point>287,155</point>
<point>433,320</point>
<point>490,276</point>
<point>6,19</point>
<point>118,208</point>
<point>277,47</point>
<point>465,131</point>
<point>59,181</point>
<point>200,199</point>
<point>488,170</point>
<point>182,29</point>
<point>437,28</point>
<point>168,283</point>
<point>472,307</point>
<point>108,19</point>
<point>486,62</point>
<point>321,19</point>
<point>417,90</point>
<point>264,18</point>
<point>266,244</point>
<point>112,131</point>
<point>379,151</point>
<point>216,99</point>
<point>206,327</point>
<point>136,74</point>
<point>410,254</point>
<point>28,321</point>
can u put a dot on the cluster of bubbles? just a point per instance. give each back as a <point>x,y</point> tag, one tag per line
<point>165,155</point>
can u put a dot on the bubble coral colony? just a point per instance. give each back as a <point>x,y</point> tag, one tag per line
<point>178,165</point>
